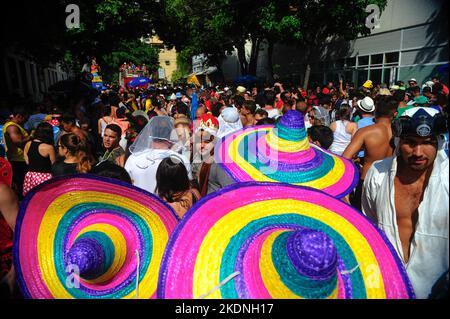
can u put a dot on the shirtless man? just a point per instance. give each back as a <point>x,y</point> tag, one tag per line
<point>375,140</point>
<point>407,195</point>
<point>248,113</point>
<point>68,123</point>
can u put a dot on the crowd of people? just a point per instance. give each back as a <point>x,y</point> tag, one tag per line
<point>130,67</point>
<point>162,140</point>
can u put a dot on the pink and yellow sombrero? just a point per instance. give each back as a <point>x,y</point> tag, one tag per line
<point>90,237</point>
<point>282,153</point>
<point>258,240</point>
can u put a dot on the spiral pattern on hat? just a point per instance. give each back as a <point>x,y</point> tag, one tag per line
<point>77,237</point>
<point>282,153</point>
<point>279,241</point>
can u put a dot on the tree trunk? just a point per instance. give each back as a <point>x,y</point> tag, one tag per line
<point>256,44</point>
<point>270,62</point>
<point>220,73</point>
<point>308,55</point>
<point>241,56</point>
<point>307,73</point>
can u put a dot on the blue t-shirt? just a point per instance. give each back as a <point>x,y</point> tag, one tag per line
<point>365,121</point>
<point>194,105</point>
<point>33,121</point>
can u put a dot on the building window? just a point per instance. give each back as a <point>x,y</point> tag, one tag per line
<point>12,69</point>
<point>363,60</point>
<point>3,85</point>
<point>361,77</point>
<point>167,62</point>
<point>350,62</point>
<point>33,77</point>
<point>391,58</point>
<point>375,75</point>
<point>376,59</point>
<point>338,64</point>
<point>23,74</point>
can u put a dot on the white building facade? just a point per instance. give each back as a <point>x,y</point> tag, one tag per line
<point>411,41</point>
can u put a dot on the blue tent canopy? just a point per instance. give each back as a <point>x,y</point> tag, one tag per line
<point>246,79</point>
<point>142,80</point>
<point>99,86</point>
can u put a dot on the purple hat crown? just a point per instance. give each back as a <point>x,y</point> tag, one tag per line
<point>291,126</point>
<point>293,120</point>
<point>90,256</point>
<point>313,254</point>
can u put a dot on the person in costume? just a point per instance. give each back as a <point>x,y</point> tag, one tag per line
<point>229,121</point>
<point>95,69</point>
<point>204,139</point>
<point>155,142</point>
<point>407,195</point>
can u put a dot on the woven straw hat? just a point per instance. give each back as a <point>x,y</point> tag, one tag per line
<point>270,240</point>
<point>89,237</point>
<point>282,153</point>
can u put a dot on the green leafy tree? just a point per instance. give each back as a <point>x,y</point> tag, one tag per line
<point>323,21</point>
<point>214,27</point>
<point>39,28</point>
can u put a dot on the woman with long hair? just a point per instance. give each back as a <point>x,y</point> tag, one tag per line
<point>173,186</point>
<point>343,130</point>
<point>76,158</point>
<point>105,120</point>
<point>39,155</point>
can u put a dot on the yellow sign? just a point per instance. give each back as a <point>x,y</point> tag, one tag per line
<point>192,79</point>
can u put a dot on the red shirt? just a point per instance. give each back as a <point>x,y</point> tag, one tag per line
<point>279,105</point>
<point>444,89</point>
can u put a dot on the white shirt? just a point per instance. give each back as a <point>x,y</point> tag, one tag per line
<point>142,167</point>
<point>430,246</point>
<point>273,113</point>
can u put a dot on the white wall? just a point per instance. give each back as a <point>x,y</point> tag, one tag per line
<point>405,13</point>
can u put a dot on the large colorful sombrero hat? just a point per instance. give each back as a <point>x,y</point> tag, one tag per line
<point>282,153</point>
<point>270,240</point>
<point>90,237</point>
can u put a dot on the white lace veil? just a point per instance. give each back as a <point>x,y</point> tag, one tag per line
<point>158,129</point>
